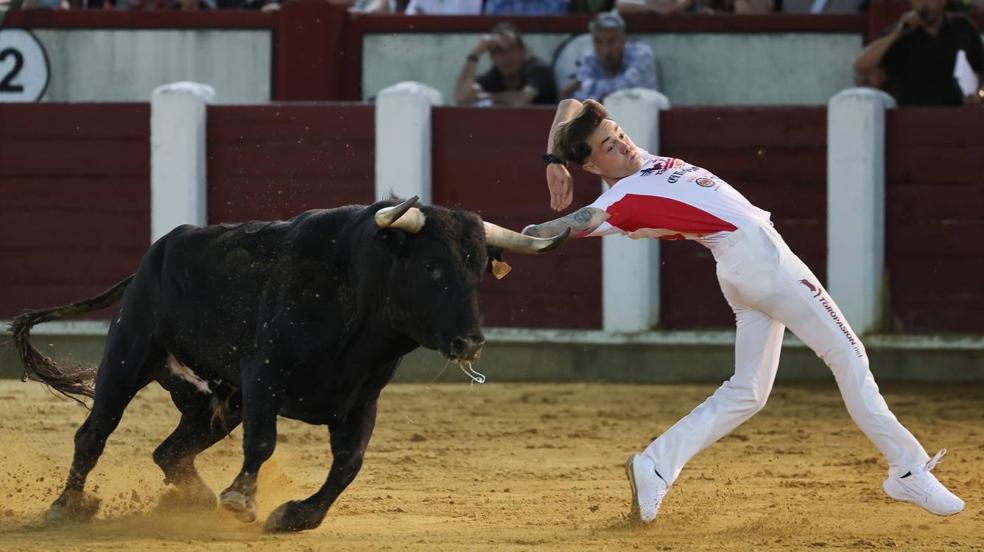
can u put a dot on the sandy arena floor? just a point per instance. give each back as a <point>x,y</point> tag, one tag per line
<point>516,467</point>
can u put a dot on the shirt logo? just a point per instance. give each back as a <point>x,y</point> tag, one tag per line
<point>705,182</point>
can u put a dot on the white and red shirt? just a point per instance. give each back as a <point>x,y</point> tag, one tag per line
<point>671,199</point>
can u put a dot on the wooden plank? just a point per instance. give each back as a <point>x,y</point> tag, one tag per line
<point>156,19</point>
<point>916,203</point>
<point>757,127</point>
<point>289,122</point>
<point>934,164</point>
<point>934,126</point>
<point>83,121</point>
<point>94,195</point>
<point>83,157</point>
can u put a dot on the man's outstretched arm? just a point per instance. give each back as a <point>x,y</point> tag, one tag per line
<point>581,222</point>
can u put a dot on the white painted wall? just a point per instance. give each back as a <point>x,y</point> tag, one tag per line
<point>696,68</point>
<point>127,65</point>
<point>403,141</point>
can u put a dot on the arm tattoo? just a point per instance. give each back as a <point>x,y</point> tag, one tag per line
<point>581,221</point>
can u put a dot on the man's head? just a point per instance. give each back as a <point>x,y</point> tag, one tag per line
<point>510,52</point>
<point>608,36</point>
<point>930,11</point>
<point>597,143</point>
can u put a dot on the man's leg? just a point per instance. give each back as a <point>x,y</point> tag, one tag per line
<point>813,316</point>
<point>757,344</point>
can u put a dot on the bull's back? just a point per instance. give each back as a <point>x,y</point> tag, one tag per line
<point>208,283</point>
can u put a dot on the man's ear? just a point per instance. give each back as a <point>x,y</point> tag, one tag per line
<point>591,168</point>
<point>391,239</point>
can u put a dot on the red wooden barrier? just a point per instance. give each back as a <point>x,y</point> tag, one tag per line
<point>488,161</point>
<point>74,200</point>
<point>275,161</point>
<point>935,219</point>
<point>776,157</point>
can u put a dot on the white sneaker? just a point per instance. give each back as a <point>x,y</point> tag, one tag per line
<point>923,489</point>
<point>648,487</point>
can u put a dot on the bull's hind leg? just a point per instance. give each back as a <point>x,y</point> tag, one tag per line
<point>349,439</point>
<point>206,418</point>
<point>127,366</point>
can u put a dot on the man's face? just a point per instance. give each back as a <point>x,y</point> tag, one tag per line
<point>613,155</point>
<point>508,56</point>
<point>930,11</point>
<point>608,46</point>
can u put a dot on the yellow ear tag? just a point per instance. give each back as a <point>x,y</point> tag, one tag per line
<point>500,269</point>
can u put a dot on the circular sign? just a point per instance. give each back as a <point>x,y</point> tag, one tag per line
<point>23,66</point>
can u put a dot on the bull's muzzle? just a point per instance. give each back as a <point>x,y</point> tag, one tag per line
<point>467,348</point>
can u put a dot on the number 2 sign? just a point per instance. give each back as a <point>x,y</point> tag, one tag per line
<point>23,66</point>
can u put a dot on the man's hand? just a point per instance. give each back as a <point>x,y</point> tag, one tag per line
<point>561,186</point>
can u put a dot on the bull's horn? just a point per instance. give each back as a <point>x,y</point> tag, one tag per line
<point>403,217</point>
<point>514,241</point>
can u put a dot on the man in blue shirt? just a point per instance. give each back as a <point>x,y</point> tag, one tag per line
<point>613,64</point>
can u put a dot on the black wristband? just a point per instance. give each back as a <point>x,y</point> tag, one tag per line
<point>472,57</point>
<point>552,159</point>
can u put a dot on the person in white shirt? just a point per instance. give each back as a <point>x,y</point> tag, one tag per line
<point>767,286</point>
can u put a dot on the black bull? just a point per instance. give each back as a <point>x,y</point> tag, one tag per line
<point>306,318</point>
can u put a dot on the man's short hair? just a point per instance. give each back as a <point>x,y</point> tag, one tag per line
<point>571,140</point>
<point>508,29</point>
<point>607,20</point>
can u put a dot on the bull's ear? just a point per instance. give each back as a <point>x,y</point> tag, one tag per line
<point>392,239</point>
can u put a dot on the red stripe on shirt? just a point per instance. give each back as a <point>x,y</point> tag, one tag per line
<point>634,212</point>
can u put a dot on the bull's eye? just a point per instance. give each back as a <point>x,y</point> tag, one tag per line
<point>432,270</point>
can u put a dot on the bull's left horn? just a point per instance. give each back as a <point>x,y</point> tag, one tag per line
<point>402,217</point>
<point>514,241</point>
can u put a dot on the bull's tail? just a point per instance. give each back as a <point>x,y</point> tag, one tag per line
<point>71,382</point>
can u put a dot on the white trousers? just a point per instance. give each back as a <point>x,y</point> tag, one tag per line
<point>769,288</point>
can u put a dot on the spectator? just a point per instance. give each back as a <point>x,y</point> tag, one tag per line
<point>613,64</point>
<point>919,54</point>
<point>591,6</point>
<point>516,78</point>
<point>526,7</point>
<point>444,7</point>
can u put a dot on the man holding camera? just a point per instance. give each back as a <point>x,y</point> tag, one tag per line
<point>919,54</point>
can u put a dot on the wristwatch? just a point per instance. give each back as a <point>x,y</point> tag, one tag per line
<point>551,159</point>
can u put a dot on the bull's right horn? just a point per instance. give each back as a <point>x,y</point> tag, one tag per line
<point>403,216</point>
<point>514,241</point>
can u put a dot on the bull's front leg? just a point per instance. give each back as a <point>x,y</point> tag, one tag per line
<point>263,390</point>
<point>349,439</point>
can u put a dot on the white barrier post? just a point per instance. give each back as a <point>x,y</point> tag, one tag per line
<point>630,268</point>
<point>856,204</point>
<point>177,156</point>
<point>403,140</point>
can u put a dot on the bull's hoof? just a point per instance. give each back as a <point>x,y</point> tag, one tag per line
<point>241,506</point>
<point>187,497</point>
<point>72,507</point>
<point>293,516</point>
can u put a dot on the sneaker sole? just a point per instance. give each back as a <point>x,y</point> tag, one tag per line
<point>630,473</point>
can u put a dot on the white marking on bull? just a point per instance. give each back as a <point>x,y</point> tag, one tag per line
<point>186,374</point>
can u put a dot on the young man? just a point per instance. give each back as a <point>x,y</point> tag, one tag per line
<point>766,285</point>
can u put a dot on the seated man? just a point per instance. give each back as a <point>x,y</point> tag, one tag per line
<point>919,54</point>
<point>613,64</point>
<point>516,78</point>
